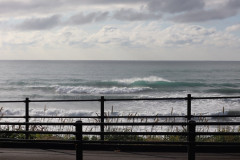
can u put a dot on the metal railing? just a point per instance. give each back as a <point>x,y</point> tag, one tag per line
<point>191,132</point>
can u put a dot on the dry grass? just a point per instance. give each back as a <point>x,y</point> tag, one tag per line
<point>132,118</point>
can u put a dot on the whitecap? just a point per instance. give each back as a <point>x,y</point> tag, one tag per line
<point>94,90</point>
<point>146,79</point>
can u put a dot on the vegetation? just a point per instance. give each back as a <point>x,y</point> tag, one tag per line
<point>132,118</point>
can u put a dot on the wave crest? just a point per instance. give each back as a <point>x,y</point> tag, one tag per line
<point>145,79</point>
<point>94,90</point>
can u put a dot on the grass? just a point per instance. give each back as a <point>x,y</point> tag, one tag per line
<point>132,118</point>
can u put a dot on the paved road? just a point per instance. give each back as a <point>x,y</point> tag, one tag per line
<point>51,154</point>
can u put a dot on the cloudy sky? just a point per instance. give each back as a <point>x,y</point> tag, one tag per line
<point>120,29</point>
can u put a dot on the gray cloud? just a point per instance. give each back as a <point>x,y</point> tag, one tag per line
<point>132,15</point>
<point>207,15</point>
<point>11,7</point>
<point>233,4</point>
<point>82,18</point>
<point>46,6</point>
<point>230,9</point>
<point>105,2</point>
<point>171,6</point>
<point>175,6</point>
<point>176,10</point>
<point>55,20</point>
<point>40,23</point>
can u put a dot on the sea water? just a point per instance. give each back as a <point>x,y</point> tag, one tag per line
<point>66,80</point>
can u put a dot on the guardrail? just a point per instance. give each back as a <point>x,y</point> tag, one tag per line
<point>190,134</point>
<point>190,123</point>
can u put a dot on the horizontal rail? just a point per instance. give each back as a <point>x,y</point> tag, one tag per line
<point>163,142</point>
<point>147,99</point>
<point>135,133</point>
<point>115,142</point>
<point>97,133</point>
<point>36,123</point>
<point>39,132</point>
<point>129,99</point>
<point>124,133</point>
<point>64,116</point>
<point>137,123</point>
<point>217,143</point>
<point>217,123</point>
<point>73,100</point>
<point>122,123</point>
<point>107,116</point>
<point>216,116</point>
<point>218,133</point>
<point>50,117</point>
<point>91,142</point>
<point>164,123</point>
<point>231,97</point>
<point>135,117</point>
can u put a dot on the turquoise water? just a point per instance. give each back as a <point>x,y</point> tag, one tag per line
<point>122,79</point>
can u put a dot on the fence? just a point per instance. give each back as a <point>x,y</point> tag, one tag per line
<point>191,132</point>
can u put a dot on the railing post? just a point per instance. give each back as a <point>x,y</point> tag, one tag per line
<point>191,139</point>
<point>27,116</point>
<point>102,118</point>
<point>189,114</point>
<point>79,145</point>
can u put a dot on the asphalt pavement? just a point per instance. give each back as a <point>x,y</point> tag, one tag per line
<point>52,154</point>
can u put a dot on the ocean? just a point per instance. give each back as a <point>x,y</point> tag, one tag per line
<point>54,80</point>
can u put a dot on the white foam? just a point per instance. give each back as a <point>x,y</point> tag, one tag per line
<point>11,112</point>
<point>94,90</point>
<point>203,107</point>
<point>146,79</point>
<point>47,112</point>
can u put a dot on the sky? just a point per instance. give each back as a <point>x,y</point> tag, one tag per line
<point>120,30</point>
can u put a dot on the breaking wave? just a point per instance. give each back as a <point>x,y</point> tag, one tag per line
<point>133,85</point>
<point>94,90</point>
<point>145,79</point>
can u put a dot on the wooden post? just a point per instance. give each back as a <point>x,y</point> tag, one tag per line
<point>27,116</point>
<point>189,114</point>
<point>79,145</point>
<point>102,118</point>
<point>191,139</point>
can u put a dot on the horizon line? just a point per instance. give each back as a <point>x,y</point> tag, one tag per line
<point>123,60</point>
